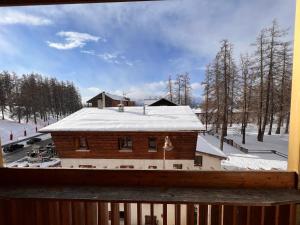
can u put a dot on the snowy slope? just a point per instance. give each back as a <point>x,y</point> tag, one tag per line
<point>8,126</point>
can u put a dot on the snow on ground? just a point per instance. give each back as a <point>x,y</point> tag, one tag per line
<point>278,142</point>
<point>24,163</point>
<point>237,160</point>
<point>8,126</point>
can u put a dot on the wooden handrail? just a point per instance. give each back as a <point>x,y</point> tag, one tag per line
<point>149,178</point>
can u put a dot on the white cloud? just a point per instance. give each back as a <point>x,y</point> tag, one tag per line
<point>196,86</point>
<point>88,52</point>
<point>73,40</point>
<point>115,58</point>
<point>15,17</point>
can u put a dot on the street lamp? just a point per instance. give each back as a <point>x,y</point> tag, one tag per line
<point>167,147</point>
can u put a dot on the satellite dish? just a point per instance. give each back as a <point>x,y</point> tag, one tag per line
<point>168,144</point>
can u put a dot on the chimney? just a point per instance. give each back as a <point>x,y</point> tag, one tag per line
<point>144,109</point>
<point>101,101</point>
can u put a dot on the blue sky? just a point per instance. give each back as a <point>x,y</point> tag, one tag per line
<point>131,47</point>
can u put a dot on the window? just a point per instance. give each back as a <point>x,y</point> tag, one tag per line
<point>152,167</point>
<point>125,143</point>
<point>126,167</point>
<point>152,146</point>
<point>198,160</point>
<point>87,166</point>
<point>177,166</point>
<point>82,144</point>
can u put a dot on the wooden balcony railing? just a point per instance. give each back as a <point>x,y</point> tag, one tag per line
<point>84,197</point>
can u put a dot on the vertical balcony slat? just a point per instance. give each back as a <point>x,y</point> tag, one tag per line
<point>229,215</point>
<point>7,212</point>
<point>26,210</point>
<point>78,213</point>
<point>190,214</point>
<point>241,215</point>
<point>177,214</point>
<point>139,214</point>
<point>152,214</point>
<point>203,215</point>
<point>216,215</point>
<point>39,212</point>
<point>257,215</point>
<point>127,214</point>
<point>54,215</point>
<point>270,215</point>
<point>12,212</point>
<point>165,214</point>
<point>2,212</point>
<point>42,212</point>
<point>115,214</point>
<point>102,213</point>
<point>65,208</point>
<point>90,213</point>
<point>286,215</point>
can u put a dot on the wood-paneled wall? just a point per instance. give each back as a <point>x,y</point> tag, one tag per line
<point>105,145</point>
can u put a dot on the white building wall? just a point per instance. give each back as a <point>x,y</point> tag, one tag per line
<point>208,163</point>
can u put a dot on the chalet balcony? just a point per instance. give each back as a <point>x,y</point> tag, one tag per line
<point>84,197</point>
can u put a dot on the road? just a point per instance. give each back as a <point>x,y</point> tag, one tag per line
<point>14,156</point>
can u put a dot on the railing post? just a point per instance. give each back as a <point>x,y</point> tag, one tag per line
<point>294,136</point>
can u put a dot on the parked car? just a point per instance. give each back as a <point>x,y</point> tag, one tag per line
<point>12,147</point>
<point>33,140</point>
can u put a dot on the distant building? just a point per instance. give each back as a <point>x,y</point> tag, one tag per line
<point>159,102</point>
<point>130,138</point>
<point>207,155</point>
<point>109,100</point>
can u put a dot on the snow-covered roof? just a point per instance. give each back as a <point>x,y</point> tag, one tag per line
<point>203,146</point>
<point>157,118</point>
<point>116,97</point>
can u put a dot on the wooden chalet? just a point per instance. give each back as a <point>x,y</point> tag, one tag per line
<point>159,102</point>
<point>109,100</point>
<point>110,197</point>
<point>129,138</point>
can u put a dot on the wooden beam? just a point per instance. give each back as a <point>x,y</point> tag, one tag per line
<point>148,178</point>
<point>294,136</point>
<point>4,3</point>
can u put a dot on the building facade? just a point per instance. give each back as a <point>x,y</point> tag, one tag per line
<point>133,138</point>
<point>105,99</point>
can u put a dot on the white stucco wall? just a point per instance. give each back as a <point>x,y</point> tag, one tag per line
<point>209,163</point>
